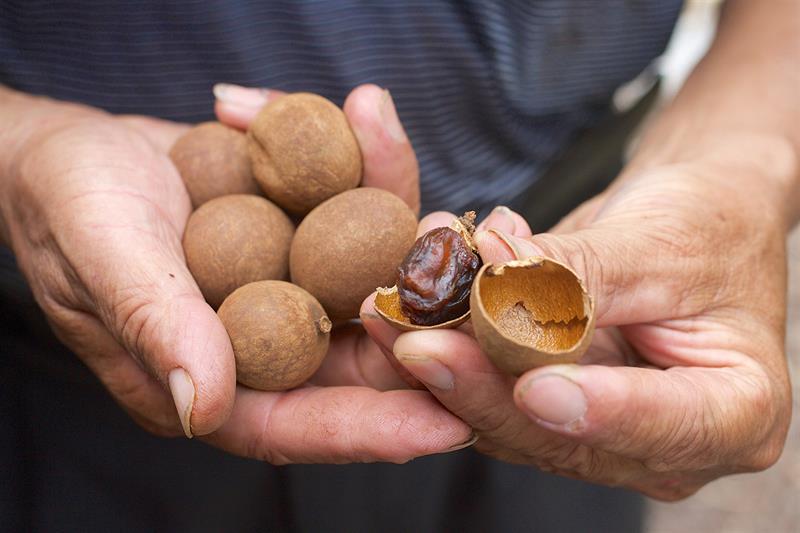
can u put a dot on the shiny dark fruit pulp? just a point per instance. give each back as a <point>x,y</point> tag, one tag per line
<point>434,279</point>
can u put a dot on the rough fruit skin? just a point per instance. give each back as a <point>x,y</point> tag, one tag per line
<point>434,279</point>
<point>279,334</point>
<point>233,240</point>
<point>213,161</point>
<point>303,152</point>
<point>349,245</point>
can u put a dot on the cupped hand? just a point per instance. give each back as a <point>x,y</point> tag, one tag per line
<point>686,380</point>
<point>94,211</point>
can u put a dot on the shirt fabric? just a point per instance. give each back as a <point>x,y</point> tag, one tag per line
<point>490,91</point>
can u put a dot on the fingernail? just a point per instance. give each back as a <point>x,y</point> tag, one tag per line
<point>182,388</point>
<point>242,96</point>
<point>473,438</point>
<point>390,119</point>
<point>554,400</point>
<point>429,371</point>
<point>521,248</point>
<point>500,219</point>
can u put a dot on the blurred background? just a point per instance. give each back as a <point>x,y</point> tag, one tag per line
<point>747,503</point>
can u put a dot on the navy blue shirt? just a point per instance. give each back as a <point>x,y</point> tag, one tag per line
<point>490,91</point>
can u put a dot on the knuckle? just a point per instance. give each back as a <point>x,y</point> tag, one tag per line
<point>739,429</point>
<point>578,459</point>
<point>568,458</point>
<point>141,315</point>
<point>771,407</point>
<point>396,427</point>
<point>55,310</point>
<point>261,446</point>
<point>765,456</point>
<point>693,441</point>
<point>582,252</point>
<point>134,316</point>
<point>493,419</point>
<point>685,446</point>
<point>584,462</point>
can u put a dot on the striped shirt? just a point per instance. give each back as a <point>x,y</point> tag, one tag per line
<point>490,91</point>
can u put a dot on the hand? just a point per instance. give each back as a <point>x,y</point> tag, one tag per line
<point>94,211</point>
<point>686,380</point>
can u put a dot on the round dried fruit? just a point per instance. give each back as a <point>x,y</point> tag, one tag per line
<point>350,244</point>
<point>279,332</point>
<point>303,151</point>
<point>212,160</point>
<point>236,239</point>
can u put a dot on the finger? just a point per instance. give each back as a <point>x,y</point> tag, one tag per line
<point>354,359</point>
<point>162,134</point>
<point>504,219</point>
<point>496,247</point>
<point>451,365</point>
<point>339,425</point>
<point>135,390</point>
<point>681,419</point>
<point>455,370</point>
<point>437,219</point>
<point>178,337</point>
<point>492,234</point>
<point>627,287</point>
<point>139,286</point>
<point>383,337</point>
<point>389,159</point>
<point>237,106</point>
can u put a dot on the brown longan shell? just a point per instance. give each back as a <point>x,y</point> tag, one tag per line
<point>349,245</point>
<point>531,312</point>
<point>303,151</point>
<point>279,333</point>
<point>213,161</point>
<point>235,239</point>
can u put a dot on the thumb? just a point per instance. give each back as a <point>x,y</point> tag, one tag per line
<point>389,159</point>
<point>140,288</point>
<point>168,327</point>
<point>672,420</point>
<point>629,283</point>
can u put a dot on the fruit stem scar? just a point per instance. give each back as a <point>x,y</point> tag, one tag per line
<point>324,324</point>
